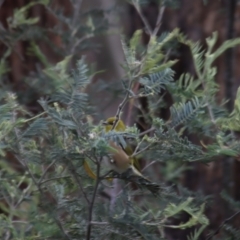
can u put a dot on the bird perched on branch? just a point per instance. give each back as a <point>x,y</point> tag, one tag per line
<point>124,166</point>
<point>127,151</point>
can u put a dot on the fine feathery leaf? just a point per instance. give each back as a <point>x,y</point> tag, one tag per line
<point>183,112</point>
<point>155,82</point>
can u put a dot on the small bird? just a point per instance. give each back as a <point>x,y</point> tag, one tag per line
<point>120,127</point>
<point>127,151</point>
<point>121,162</point>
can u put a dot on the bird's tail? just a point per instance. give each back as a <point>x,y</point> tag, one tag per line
<point>133,175</point>
<point>151,186</point>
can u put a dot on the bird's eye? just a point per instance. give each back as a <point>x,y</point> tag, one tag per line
<point>112,161</point>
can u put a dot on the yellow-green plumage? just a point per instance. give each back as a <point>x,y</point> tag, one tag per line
<point>121,161</point>
<point>120,127</point>
<point>123,155</point>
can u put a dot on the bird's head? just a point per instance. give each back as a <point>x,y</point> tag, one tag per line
<point>111,121</point>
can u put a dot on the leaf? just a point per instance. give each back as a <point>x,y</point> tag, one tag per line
<point>20,15</point>
<point>35,50</point>
<point>36,128</point>
<point>154,82</point>
<point>136,39</point>
<point>182,112</point>
<point>58,73</point>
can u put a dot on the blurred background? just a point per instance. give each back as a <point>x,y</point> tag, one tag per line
<point>66,30</point>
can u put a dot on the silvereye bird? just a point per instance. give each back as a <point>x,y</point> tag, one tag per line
<point>121,161</point>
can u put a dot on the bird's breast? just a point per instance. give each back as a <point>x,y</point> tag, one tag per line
<point>119,161</point>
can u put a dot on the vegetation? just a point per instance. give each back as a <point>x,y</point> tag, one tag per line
<point>45,190</point>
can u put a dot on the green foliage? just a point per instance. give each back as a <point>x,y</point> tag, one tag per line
<point>20,15</point>
<point>155,82</point>
<point>49,195</point>
<point>182,112</point>
<point>233,121</point>
<point>81,26</point>
<point>195,213</point>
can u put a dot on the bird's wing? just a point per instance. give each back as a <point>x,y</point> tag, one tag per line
<point>134,161</point>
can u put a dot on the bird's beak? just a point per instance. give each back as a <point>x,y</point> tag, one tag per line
<point>104,123</point>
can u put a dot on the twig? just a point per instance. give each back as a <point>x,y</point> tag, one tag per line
<point>106,174</point>
<point>58,222</point>
<point>99,223</point>
<point>77,8</point>
<point>145,21</point>
<point>227,163</point>
<point>167,55</point>
<point>46,170</point>
<point>222,224</point>
<point>8,235</point>
<point>42,194</point>
<point>120,192</point>
<point>152,33</point>
<point>129,95</point>
<point>52,179</point>
<point>72,170</point>
<point>89,227</point>
<point>147,166</point>
<point>22,196</point>
<point>229,82</point>
<point>159,19</point>
<point>142,150</point>
<point>75,45</point>
<point>147,131</point>
<point>38,115</point>
<point>121,106</point>
<point>137,147</point>
<point>132,98</point>
<point>20,221</point>
<point>21,160</point>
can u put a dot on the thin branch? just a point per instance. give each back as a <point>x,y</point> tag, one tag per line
<point>23,196</point>
<point>89,227</point>
<point>38,115</point>
<point>46,170</point>
<point>58,222</point>
<point>105,175</point>
<point>121,106</point>
<point>142,150</point>
<point>167,55</point>
<point>42,194</point>
<point>52,179</point>
<point>147,131</point>
<point>99,223</point>
<point>19,221</point>
<point>76,12</point>
<point>75,175</point>
<point>138,146</point>
<point>229,57</point>
<point>159,19</point>
<point>222,224</point>
<point>120,192</point>
<point>230,90</point>
<point>145,21</point>
<point>8,235</point>
<point>147,166</point>
<point>80,40</point>
<point>22,161</point>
